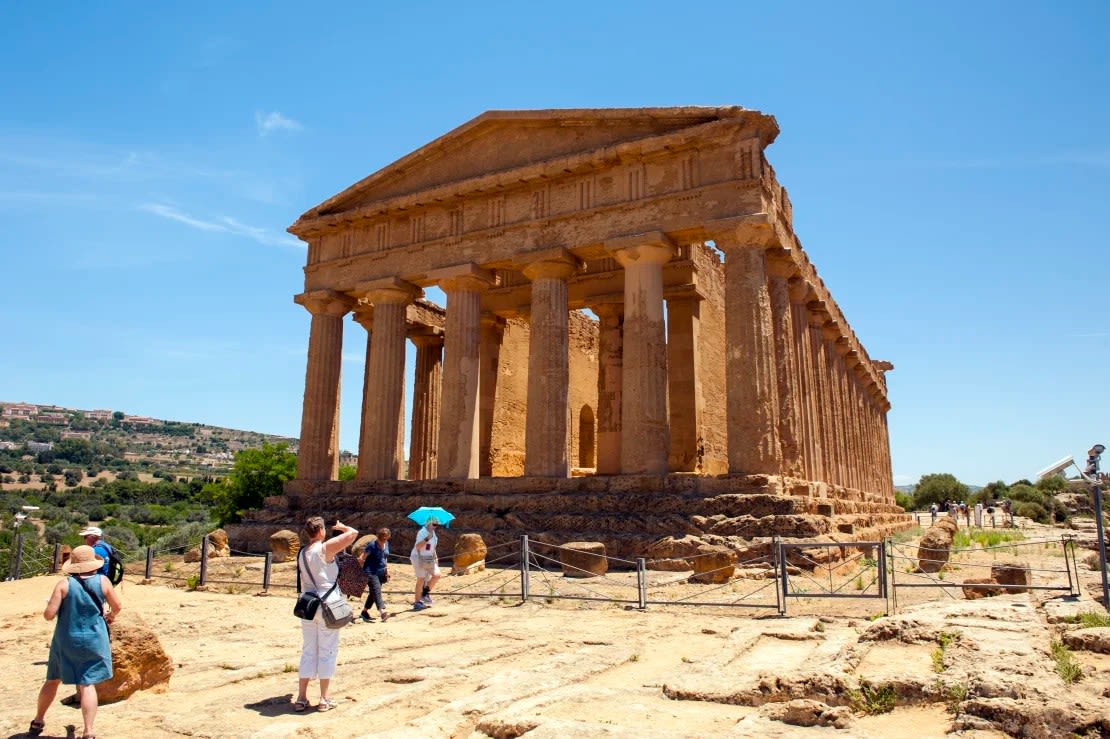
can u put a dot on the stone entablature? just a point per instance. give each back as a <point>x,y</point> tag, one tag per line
<point>725,358</point>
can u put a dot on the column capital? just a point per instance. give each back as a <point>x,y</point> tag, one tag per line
<point>557,263</point>
<point>363,314</point>
<point>387,290</point>
<point>743,232</point>
<point>841,343</point>
<point>818,313</point>
<point>652,247</point>
<point>882,365</point>
<point>780,263</point>
<point>430,338</point>
<point>467,276</point>
<point>687,291</point>
<point>492,322</point>
<point>799,289</point>
<point>324,302</point>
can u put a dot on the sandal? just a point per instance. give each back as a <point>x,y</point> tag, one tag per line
<point>300,705</point>
<point>36,727</point>
<point>326,704</point>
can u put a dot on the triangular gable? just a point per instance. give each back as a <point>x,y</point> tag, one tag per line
<point>502,140</point>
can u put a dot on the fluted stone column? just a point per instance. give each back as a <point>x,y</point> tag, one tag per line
<point>318,458</point>
<point>645,433</point>
<point>385,376</point>
<point>753,434</point>
<point>363,313</point>
<point>425,406</point>
<point>807,393</point>
<point>686,405</point>
<point>789,411</point>
<point>609,370</point>
<point>823,385</point>
<point>545,432</point>
<point>493,331</point>
<point>458,427</point>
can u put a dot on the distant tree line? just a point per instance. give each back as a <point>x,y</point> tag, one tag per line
<point>1030,500</point>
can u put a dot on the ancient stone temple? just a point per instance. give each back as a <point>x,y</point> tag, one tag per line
<point>634,343</point>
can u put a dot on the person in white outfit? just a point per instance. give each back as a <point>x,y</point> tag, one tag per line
<point>321,644</point>
<point>425,564</point>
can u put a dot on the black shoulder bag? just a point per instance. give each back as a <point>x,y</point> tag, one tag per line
<point>307,603</point>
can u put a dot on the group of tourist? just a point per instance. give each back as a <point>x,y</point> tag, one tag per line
<point>84,604</point>
<point>317,566</point>
<point>956,509</point>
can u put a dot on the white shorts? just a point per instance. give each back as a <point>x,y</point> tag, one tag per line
<point>423,570</point>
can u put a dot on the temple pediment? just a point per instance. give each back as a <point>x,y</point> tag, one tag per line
<point>498,141</point>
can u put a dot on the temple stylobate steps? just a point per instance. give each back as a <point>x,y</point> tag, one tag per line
<point>626,513</point>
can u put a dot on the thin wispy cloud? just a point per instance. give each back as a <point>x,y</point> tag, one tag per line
<point>269,122</point>
<point>223,224</point>
<point>1091,158</point>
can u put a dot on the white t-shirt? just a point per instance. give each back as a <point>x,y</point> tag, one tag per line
<point>323,572</point>
<point>426,542</point>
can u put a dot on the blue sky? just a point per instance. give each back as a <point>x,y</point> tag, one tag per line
<point>949,167</point>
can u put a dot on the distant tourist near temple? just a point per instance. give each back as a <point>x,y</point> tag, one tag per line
<point>634,343</point>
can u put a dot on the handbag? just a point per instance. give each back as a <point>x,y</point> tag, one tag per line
<point>307,602</point>
<point>336,611</point>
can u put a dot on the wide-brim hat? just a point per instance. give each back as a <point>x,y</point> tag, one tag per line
<point>91,531</point>
<point>82,559</point>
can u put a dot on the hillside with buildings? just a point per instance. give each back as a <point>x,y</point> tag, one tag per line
<point>42,445</point>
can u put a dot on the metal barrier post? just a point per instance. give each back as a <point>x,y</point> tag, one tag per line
<point>204,560</point>
<point>641,582</point>
<point>56,560</point>
<point>18,556</point>
<point>148,573</point>
<point>1067,565</point>
<point>882,569</point>
<point>780,549</point>
<point>266,571</point>
<point>524,573</point>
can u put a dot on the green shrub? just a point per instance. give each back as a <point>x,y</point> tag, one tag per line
<point>1069,670</point>
<point>185,536</point>
<point>1034,511</point>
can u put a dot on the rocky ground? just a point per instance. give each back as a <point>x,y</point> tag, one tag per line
<point>492,667</point>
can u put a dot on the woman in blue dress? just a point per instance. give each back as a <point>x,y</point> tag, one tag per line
<point>80,653</point>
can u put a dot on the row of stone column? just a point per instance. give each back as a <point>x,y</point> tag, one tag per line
<point>800,400</point>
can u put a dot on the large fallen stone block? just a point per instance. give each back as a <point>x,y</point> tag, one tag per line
<point>470,554</point>
<point>583,559</point>
<point>713,564</point>
<point>671,554</point>
<point>217,544</point>
<point>285,545</point>
<point>138,660</point>
<point>981,587</point>
<point>806,712</point>
<point>1012,573</point>
<point>935,548</point>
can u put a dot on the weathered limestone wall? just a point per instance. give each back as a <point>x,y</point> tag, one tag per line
<point>511,400</point>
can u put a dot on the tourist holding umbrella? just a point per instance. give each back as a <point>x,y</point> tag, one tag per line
<point>425,561</point>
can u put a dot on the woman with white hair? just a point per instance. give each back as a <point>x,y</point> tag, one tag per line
<point>425,564</point>
<point>80,653</point>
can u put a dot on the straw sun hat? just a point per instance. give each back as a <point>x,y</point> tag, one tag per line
<point>82,559</point>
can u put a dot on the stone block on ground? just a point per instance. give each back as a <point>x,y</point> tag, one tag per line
<point>138,660</point>
<point>1012,573</point>
<point>285,544</point>
<point>671,554</point>
<point>934,549</point>
<point>981,587</point>
<point>470,554</point>
<point>1091,561</point>
<point>947,523</point>
<point>193,555</point>
<point>1089,640</point>
<point>583,559</point>
<point>807,712</point>
<point>713,564</point>
<point>217,544</point>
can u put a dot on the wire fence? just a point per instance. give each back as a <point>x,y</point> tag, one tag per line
<point>527,569</point>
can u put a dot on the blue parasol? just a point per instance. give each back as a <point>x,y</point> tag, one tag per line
<point>423,513</point>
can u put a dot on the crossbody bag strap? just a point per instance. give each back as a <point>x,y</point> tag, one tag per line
<point>95,598</point>
<point>310,577</point>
